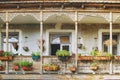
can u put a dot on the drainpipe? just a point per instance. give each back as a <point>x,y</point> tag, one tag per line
<point>41,38</point>
<point>76,39</point>
<point>110,47</point>
<point>7,24</point>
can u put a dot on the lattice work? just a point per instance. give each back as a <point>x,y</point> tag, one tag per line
<point>35,15</point>
<point>3,16</point>
<point>104,15</point>
<point>71,15</point>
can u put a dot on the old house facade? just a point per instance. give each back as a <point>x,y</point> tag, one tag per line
<point>75,25</point>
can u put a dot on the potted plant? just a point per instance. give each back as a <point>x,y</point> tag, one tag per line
<point>103,56</point>
<point>50,67</point>
<point>35,55</point>
<point>5,55</point>
<point>15,66</point>
<point>94,66</point>
<point>26,65</point>
<point>63,55</point>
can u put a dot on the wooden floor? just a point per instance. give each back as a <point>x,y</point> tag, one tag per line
<point>59,77</point>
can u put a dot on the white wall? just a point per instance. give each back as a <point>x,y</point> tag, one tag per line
<point>87,32</point>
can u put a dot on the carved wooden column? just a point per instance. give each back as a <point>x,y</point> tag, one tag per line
<point>41,38</point>
<point>7,25</point>
<point>110,47</point>
<point>76,38</point>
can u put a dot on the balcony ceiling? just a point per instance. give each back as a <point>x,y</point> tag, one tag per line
<point>57,19</point>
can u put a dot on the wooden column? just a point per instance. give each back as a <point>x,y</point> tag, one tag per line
<point>110,47</point>
<point>41,40</point>
<point>76,38</point>
<point>7,24</point>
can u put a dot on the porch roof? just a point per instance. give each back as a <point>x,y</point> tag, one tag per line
<point>30,4</point>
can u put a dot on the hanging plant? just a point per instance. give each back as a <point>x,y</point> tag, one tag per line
<point>107,42</point>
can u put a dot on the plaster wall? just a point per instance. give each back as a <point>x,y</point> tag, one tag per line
<point>87,33</point>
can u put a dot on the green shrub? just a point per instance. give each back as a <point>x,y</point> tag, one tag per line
<point>62,53</point>
<point>35,54</point>
<point>25,63</point>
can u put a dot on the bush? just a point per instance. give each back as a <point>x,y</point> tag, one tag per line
<point>25,63</point>
<point>62,53</point>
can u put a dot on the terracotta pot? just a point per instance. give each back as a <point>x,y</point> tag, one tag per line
<point>15,67</point>
<point>27,68</point>
<point>94,67</point>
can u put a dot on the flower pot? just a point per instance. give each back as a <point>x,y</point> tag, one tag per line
<point>15,67</point>
<point>63,58</point>
<point>94,68</point>
<point>35,58</point>
<point>117,57</point>
<point>3,58</point>
<point>27,68</point>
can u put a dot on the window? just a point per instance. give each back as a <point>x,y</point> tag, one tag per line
<point>59,41</point>
<point>13,41</point>
<point>105,37</point>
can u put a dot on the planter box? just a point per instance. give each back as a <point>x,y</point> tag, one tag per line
<point>50,68</point>
<point>27,68</point>
<point>63,58</point>
<point>86,58</point>
<point>3,58</point>
<point>117,57</point>
<point>16,68</point>
<point>103,58</point>
<point>94,68</point>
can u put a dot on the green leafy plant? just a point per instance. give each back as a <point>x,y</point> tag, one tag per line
<point>25,63</point>
<point>93,53</point>
<point>6,54</point>
<point>35,54</point>
<point>62,53</point>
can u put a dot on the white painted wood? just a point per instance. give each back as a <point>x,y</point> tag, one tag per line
<point>41,42</point>
<point>6,68</point>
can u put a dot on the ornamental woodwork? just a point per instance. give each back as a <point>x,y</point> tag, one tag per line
<point>13,15</point>
<point>71,15</point>
<point>2,16</point>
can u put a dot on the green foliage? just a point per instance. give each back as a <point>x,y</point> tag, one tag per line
<point>35,54</point>
<point>6,54</point>
<point>94,53</point>
<point>25,63</point>
<point>99,53</point>
<point>62,53</point>
<point>107,54</point>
